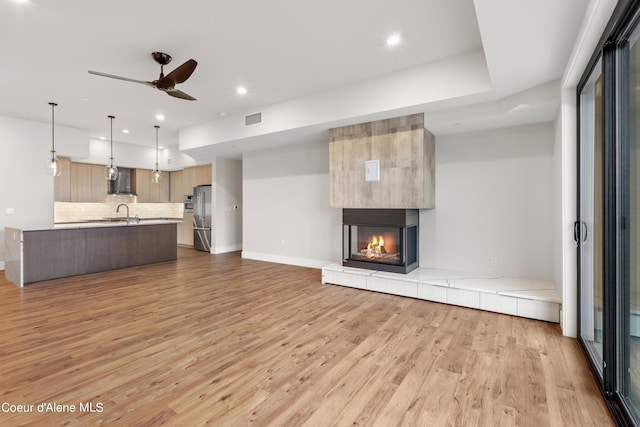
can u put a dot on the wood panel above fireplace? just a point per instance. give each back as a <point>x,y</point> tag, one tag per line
<point>406,153</point>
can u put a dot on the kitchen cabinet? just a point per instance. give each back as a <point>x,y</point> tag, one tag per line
<point>160,191</point>
<point>188,180</point>
<point>87,183</point>
<point>50,252</point>
<point>62,183</point>
<point>191,177</point>
<point>203,175</point>
<point>143,183</point>
<point>99,185</point>
<point>175,187</point>
<point>185,230</point>
<point>147,191</point>
<point>80,182</point>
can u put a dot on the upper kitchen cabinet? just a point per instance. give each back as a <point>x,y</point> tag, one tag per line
<point>149,192</point>
<point>191,177</point>
<point>176,189</point>
<point>99,185</point>
<point>188,180</point>
<point>160,191</point>
<point>87,183</point>
<point>62,183</point>
<point>143,184</point>
<point>203,175</point>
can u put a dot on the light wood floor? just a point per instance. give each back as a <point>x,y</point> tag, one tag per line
<point>218,340</point>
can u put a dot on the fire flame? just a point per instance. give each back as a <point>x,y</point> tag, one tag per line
<point>375,247</point>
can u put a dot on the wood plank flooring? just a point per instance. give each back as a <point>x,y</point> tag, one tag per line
<point>219,340</point>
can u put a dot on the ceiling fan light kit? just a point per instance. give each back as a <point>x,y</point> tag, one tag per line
<point>164,83</point>
<point>111,170</point>
<point>54,166</point>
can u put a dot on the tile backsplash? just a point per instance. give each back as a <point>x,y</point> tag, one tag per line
<point>72,212</point>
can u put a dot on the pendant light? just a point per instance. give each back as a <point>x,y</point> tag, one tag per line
<point>110,170</point>
<point>54,166</point>
<point>156,175</point>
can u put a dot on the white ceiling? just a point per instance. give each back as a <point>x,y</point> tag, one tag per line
<point>278,49</point>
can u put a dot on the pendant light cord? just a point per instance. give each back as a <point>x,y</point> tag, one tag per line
<point>53,144</point>
<point>157,127</point>
<point>111,158</point>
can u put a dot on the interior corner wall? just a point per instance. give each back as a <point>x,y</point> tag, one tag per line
<point>494,203</point>
<point>286,214</point>
<point>558,234</point>
<point>25,186</point>
<point>227,200</point>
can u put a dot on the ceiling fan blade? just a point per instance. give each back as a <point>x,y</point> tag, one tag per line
<point>180,94</point>
<point>180,74</point>
<point>111,76</point>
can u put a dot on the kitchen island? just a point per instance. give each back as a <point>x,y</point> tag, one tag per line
<point>37,253</point>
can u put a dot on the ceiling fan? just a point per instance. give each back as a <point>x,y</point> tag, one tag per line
<point>164,83</point>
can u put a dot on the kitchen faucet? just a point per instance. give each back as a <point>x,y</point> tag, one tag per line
<point>126,206</point>
<point>129,219</point>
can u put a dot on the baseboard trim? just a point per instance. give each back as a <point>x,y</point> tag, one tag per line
<point>282,259</point>
<point>225,249</point>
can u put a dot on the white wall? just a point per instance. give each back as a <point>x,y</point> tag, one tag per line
<point>173,159</point>
<point>456,76</point>
<point>24,185</point>
<point>494,199</point>
<point>124,155</point>
<point>286,213</point>
<point>558,235</point>
<point>227,197</point>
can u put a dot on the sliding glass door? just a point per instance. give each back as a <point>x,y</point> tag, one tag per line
<point>589,225</point>
<point>607,230</point>
<point>629,251</point>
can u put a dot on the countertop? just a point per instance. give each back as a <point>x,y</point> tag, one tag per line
<point>97,224</point>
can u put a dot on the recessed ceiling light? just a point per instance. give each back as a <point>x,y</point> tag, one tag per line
<point>159,117</point>
<point>21,1</point>
<point>393,40</point>
<point>222,114</point>
<point>103,138</point>
<point>241,90</point>
<point>125,130</point>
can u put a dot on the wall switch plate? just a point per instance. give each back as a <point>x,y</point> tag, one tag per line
<point>372,170</point>
<point>10,211</point>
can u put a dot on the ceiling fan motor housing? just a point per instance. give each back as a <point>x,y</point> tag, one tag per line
<point>161,57</point>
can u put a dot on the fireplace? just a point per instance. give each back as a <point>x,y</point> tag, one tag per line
<point>380,239</point>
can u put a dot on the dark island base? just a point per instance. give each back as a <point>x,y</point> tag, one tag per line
<point>51,254</point>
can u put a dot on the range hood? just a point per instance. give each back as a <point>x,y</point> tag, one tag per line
<point>125,184</point>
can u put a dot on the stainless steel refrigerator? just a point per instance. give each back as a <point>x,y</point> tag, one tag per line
<point>202,218</point>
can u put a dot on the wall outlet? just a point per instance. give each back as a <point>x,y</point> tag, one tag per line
<point>494,260</point>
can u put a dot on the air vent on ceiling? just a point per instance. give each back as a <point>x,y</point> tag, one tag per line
<point>253,119</point>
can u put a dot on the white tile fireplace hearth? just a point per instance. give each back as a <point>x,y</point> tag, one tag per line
<point>514,296</point>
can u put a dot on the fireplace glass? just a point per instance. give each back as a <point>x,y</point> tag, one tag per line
<point>383,239</point>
